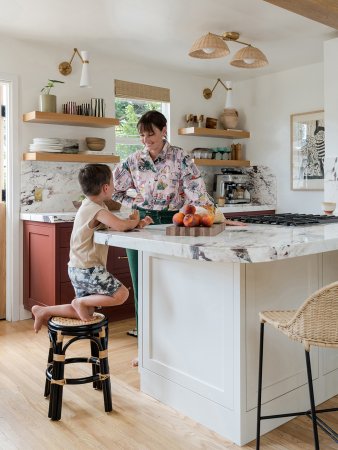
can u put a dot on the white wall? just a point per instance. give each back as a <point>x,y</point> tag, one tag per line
<point>36,63</point>
<point>331,120</point>
<point>265,105</point>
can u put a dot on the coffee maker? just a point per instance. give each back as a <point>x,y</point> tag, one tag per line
<point>232,185</point>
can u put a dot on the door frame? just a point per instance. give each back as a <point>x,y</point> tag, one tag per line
<point>13,188</point>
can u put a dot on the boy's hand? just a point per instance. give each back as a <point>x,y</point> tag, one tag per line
<point>144,222</point>
<point>135,215</point>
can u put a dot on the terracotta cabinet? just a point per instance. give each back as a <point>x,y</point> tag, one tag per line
<point>45,258</point>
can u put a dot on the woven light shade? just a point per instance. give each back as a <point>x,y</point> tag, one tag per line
<point>212,42</point>
<point>249,57</point>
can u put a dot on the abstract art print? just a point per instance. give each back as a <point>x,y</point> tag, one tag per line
<point>307,151</point>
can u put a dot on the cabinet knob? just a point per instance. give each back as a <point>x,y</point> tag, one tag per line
<point>122,257</point>
<point>129,289</point>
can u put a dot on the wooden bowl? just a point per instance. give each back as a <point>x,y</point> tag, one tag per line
<point>210,123</point>
<point>95,144</point>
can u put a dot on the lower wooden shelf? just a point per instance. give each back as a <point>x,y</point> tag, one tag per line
<point>70,157</point>
<point>221,163</point>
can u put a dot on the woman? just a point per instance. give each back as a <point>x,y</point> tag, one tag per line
<point>164,178</point>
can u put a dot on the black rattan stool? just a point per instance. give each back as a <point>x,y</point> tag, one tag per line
<point>96,330</point>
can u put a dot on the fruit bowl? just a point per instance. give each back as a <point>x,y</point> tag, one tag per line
<point>95,144</point>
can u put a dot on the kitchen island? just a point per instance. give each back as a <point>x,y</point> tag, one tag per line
<point>199,299</point>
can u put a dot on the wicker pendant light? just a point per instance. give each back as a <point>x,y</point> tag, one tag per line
<point>249,57</point>
<point>209,46</point>
<point>213,45</point>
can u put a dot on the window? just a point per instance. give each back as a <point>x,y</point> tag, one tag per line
<point>132,100</point>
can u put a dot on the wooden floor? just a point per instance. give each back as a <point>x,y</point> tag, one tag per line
<point>138,422</point>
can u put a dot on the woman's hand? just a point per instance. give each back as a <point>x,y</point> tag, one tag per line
<point>144,222</point>
<point>234,223</point>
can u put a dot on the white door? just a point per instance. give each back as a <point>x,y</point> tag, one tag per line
<point>10,209</point>
<point>3,177</point>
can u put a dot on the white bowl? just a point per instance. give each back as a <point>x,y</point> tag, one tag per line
<point>328,207</point>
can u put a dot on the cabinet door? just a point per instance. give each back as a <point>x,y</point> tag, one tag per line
<point>117,261</point>
<point>40,274</point>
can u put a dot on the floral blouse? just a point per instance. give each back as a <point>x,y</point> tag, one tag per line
<point>164,184</point>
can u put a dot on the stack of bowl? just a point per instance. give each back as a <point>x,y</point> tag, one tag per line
<point>95,144</point>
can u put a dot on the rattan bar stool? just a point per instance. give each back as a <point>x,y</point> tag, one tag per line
<point>315,323</point>
<point>96,331</point>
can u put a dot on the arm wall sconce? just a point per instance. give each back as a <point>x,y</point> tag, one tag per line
<point>207,93</point>
<point>214,46</point>
<point>65,68</point>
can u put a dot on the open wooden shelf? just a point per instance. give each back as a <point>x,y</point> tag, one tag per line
<point>69,157</point>
<point>221,163</point>
<point>69,119</point>
<point>209,132</point>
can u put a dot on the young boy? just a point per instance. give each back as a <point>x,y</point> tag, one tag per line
<point>94,286</point>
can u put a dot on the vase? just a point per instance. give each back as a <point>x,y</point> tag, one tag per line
<point>47,103</point>
<point>229,118</point>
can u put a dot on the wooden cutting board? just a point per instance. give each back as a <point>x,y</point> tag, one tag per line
<point>174,230</point>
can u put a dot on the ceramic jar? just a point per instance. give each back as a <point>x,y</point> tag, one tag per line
<point>229,118</point>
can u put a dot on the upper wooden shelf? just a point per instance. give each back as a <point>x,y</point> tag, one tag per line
<point>70,157</point>
<point>221,163</point>
<point>69,119</point>
<point>210,132</point>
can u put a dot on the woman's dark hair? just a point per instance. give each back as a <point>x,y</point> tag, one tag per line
<point>93,176</point>
<point>151,119</point>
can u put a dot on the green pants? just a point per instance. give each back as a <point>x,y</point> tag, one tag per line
<point>133,266</point>
<point>158,217</point>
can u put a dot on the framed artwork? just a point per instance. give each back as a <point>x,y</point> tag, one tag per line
<point>307,151</point>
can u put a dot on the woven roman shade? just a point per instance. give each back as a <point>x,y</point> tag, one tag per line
<point>126,89</point>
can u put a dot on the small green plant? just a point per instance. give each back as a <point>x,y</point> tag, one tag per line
<point>46,89</point>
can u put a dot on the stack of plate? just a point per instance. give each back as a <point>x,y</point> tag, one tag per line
<point>53,145</point>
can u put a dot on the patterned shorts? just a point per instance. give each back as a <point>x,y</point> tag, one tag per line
<point>95,280</point>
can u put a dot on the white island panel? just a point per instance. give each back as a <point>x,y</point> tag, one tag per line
<point>199,299</point>
<point>175,345</point>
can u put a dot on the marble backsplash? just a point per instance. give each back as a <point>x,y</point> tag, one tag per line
<point>262,184</point>
<point>58,183</point>
<point>59,186</point>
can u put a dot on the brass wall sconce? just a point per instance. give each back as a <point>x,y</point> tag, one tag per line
<point>214,46</point>
<point>65,68</point>
<point>207,93</point>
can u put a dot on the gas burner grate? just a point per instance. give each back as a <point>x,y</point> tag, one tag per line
<point>288,219</point>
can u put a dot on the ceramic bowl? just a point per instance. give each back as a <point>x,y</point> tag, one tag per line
<point>328,207</point>
<point>77,204</point>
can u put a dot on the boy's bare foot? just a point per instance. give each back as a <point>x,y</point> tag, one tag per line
<point>134,362</point>
<point>81,309</point>
<point>39,317</point>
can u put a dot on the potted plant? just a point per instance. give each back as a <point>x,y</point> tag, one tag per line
<point>47,101</point>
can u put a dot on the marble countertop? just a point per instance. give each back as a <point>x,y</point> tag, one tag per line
<point>49,217</point>
<point>242,244</point>
<point>239,208</point>
<point>57,217</point>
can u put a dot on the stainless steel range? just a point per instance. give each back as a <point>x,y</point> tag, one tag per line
<point>288,219</point>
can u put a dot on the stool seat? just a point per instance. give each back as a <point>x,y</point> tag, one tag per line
<point>96,331</point>
<point>67,322</point>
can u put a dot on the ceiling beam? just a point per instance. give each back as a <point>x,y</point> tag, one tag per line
<point>323,11</point>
